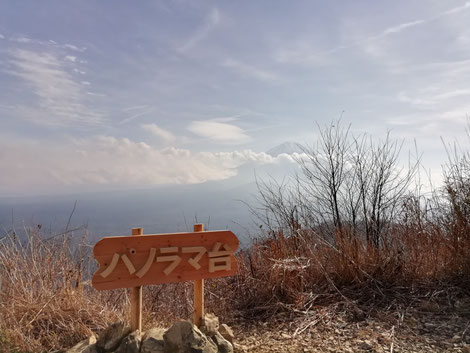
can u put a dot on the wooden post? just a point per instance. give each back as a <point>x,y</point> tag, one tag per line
<point>198,291</point>
<point>136,297</point>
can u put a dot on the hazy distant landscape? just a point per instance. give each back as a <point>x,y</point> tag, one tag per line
<point>159,210</point>
<point>164,209</point>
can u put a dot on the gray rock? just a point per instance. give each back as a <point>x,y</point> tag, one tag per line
<point>223,346</point>
<point>111,337</point>
<point>153,342</point>
<point>130,343</point>
<point>210,324</point>
<point>366,345</point>
<point>184,337</point>
<point>227,333</point>
<point>85,346</point>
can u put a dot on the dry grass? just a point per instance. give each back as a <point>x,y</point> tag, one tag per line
<point>43,301</point>
<point>303,270</point>
<point>47,303</point>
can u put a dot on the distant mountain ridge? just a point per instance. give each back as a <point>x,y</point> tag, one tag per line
<point>287,147</point>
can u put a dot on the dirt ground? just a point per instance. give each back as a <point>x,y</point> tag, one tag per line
<point>346,328</point>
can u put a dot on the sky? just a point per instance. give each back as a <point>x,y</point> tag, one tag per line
<point>98,95</point>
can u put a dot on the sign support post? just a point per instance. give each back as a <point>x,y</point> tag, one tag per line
<point>198,291</point>
<point>136,297</point>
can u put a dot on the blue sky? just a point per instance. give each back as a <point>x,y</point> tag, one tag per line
<point>120,94</point>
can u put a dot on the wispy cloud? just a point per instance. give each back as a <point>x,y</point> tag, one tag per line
<point>402,27</point>
<point>211,21</point>
<point>160,133</point>
<point>71,58</point>
<point>21,39</point>
<point>73,47</point>
<point>217,131</point>
<point>426,100</point>
<point>137,112</point>
<point>2,36</point>
<point>249,71</point>
<point>305,54</point>
<point>60,98</point>
<point>137,107</point>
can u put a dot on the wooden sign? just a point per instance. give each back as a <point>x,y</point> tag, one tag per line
<point>134,261</point>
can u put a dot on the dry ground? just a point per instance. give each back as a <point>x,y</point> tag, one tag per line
<point>346,328</point>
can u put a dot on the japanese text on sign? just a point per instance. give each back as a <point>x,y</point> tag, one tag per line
<point>152,259</point>
<point>219,260</point>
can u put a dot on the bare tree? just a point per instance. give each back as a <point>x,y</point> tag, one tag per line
<point>457,193</point>
<point>347,186</point>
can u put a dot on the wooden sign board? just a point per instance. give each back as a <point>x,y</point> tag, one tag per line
<point>132,261</point>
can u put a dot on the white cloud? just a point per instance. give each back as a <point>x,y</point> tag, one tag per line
<point>73,47</point>
<point>60,99</point>
<point>104,161</point>
<point>426,100</point>
<point>158,132</point>
<point>22,39</point>
<point>211,21</point>
<point>407,25</point>
<point>71,58</point>
<point>457,9</point>
<point>218,131</point>
<point>81,72</point>
<point>438,89</point>
<point>249,71</point>
<point>2,36</point>
<point>402,27</point>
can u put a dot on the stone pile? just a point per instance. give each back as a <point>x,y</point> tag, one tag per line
<point>182,337</point>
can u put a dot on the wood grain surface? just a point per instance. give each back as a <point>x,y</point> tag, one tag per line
<point>146,269</point>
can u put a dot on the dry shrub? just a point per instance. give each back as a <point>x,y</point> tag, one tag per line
<point>44,303</point>
<point>349,225</point>
<point>302,270</point>
<point>47,303</point>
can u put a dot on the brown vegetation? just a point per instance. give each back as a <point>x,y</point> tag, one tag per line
<point>351,227</point>
<point>347,229</point>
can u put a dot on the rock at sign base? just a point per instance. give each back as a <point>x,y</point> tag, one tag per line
<point>85,346</point>
<point>111,337</point>
<point>185,337</point>
<point>130,343</point>
<point>153,342</point>
<point>210,324</point>
<point>223,346</point>
<point>226,333</point>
